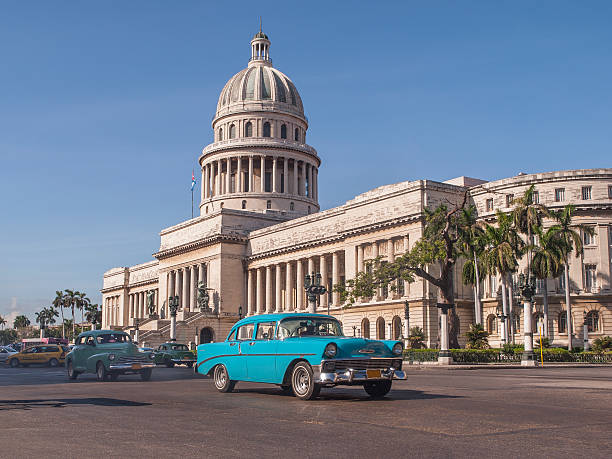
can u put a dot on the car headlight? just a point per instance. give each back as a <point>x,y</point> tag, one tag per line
<point>152,355</point>
<point>331,350</point>
<point>111,356</point>
<point>397,348</point>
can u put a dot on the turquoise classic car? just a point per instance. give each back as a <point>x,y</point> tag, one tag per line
<point>108,354</point>
<point>302,353</point>
<point>173,353</point>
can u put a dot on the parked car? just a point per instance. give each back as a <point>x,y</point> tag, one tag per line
<point>172,353</point>
<point>49,354</point>
<point>108,353</point>
<point>302,353</point>
<point>5,353</point>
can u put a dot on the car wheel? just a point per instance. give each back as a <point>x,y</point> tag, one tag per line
<point>101,372</point>
<point>169,363</point>
<point>53,363</point>
<point>221,379</point>
<point>145,374</point>
<point>114,376</point>
<point>302,382</point>
<point>14,363</point>
<point>72,374</point>
<point>377,389</point>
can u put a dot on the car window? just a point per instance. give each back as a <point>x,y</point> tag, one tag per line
<point>309,326</point>
<point>3,351</point>
<point>246,332</point>
<point>90,340</point>
<point>80,340</point>
<point>265,330</point>
<point>180,347</point>
<point>111,338</point>
<point>232,336</point>
<point>51,349</point>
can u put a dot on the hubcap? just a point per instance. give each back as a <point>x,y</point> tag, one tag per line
<point>220,377</point>
<point>301,381</point>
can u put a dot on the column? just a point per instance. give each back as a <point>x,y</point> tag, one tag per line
<point>269,289</point>
<point>203,184</point>
<point>311,265</point>
<point>131,306</point>
<point>178,274</point>
<point>228,177</point>
<point>218,179</point>
<point>295,190</point>
<point>316,184</point>
<point>335,277</point>
<point>262,173</point>
<point>274,173</point>
<point>391,259</point>
<point>143,304</point>
<point>250,178</point>
<point>202,274</point>
<point>309,180</point>
<point>277,285</point>
<point>258,291</point>
<point>299,277</point>
<point>286,175</point>
<point>288,287</point>
<point>360,258</point>
<point>250,292</point>
<point>192,288</point>
<point>185,299</point>
<point>324,280</point>
<point>239,175</point>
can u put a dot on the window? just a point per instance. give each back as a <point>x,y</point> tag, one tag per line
<point>609,191</point>
<point>266,129</point>
<point>268,204</point>
<point>232,132</point>
<point>509,199</point>
<point>80,340</point>
<point>232,336</point>
<point>491,324</point>
<point>297,135</point>
<point>265,330</point>
<point>539,285</point>
<point>493,285</point>
<point>246,332</point>
<point>365,328</point>
<point>559,194</point>
<point>589,277</point>
<point>90,341</point>
<point>248,129</point>
<point>516,322</point>
<point>113,338</point>
<point>283,131</point>
<point>586,193</point>
<point>292,206</point>
<point>220,134</point>
<point>489,204</point>
<point>592,321</point>
<point>562,322</point>
<point>380,328</point>
<point>244,204</point>
<point>397,327</point>
<point>309,210</point>
<point>588,238</point>
<point>308,326</point>
<point>536,197</point>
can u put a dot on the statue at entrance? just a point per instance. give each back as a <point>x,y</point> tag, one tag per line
<point>151,303</point>
<point>203,297</point>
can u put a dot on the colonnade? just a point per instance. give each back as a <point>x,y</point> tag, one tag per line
<point>183,282</point>
<point>112,308</point>
<point>238,174</point>
<point>138,304</point>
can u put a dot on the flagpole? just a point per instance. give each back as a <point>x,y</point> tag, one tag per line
<point>191,202</point>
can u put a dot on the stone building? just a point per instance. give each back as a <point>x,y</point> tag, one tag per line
<point>260,231</point>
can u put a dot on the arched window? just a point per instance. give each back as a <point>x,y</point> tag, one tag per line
<point>268,204</point>
<point>562,322</point>
<point>248,129</point>
<point>232,131</point>
<point>220,134</point>
<point>206,209</point>
<point>291,206</point>
<point>297,135</point>
<point>592,320</point>
<point>365,328</point>
<point>244,204</point>
<point>491,324</point>
<point>309,209</point>
<point>266,129</point>
<point>397,327</point>
<point>283,131</point>
<point>380,328</point>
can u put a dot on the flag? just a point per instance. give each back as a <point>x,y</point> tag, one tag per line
<point>192,180</point>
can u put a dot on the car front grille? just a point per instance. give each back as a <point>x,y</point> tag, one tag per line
<point>364,364</point>
<point>132,359</point>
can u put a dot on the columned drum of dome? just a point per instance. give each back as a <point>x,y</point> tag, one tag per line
<point>254,164</point>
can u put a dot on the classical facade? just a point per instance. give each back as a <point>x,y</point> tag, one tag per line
<point>260,231</point>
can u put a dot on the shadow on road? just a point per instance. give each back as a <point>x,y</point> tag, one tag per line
<point>6,405</point>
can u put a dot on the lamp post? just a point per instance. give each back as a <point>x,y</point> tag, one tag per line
<point>136,329</point>
<point>526,286</point>
<point>239,312</point>
<point>585,331</point>
<point>313,287</point>
<point>444,357</point>
<point>354,330</point>
<point>499,312</point>
<point>406,320</point>
<point>173,304</point>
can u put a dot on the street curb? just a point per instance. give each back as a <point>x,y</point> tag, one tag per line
<point>435,365</point>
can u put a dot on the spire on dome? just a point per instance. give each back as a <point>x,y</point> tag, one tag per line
<point>260,48</point>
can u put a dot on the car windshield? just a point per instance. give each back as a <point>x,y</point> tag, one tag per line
<point>113,338</point>
<point>309,326</point>
<point>179,347</point>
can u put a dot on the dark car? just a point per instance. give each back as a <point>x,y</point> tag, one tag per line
<point>171,354</point>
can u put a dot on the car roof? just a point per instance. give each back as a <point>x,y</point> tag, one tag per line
<point>101,332</point>
<point>276,317</point>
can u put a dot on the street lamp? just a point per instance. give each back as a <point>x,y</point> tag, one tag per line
<point>173,304</point>
<point>499,312</point>
<point>526,285</point>
<point>354,329</point>
<point>136,324</point>
<point>240,312</point>
<point>585,331</point>
<point>314,289</point>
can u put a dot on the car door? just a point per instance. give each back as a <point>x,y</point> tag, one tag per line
<point>234,359</point>
<point>29,355</point>
<point>86,349</point>
<point>261,353</point>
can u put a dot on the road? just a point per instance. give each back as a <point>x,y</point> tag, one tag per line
<point>436,413</point>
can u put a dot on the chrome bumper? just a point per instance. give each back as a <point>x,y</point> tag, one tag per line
<point>128,366</point>
<point>352,376</point>
<point>182,361</point>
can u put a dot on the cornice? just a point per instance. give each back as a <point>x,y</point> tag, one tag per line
<point>204,242</point>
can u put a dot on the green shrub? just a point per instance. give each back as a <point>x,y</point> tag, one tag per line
<point>477,337</point>
<point>602,344</point>
<point>416,338</point>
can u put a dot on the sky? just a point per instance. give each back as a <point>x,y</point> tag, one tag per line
<point>106,106</point>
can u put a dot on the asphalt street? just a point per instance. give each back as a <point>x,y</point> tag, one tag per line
<point>544,412</point>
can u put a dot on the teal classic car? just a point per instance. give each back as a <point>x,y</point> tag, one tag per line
<point>108,354</point>
<point>173,353</point>
<point>302,353</point>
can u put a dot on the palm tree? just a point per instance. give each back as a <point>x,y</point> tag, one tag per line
<point>571,241</point>
<point>473,243</point>
<point>93,314</point>
<point>547,262</point>
<point>59,302</point>
<point>2,322</point>
<point>81,303</point>
<point>51,315</point>
<point>503,247</point>
<point>70,300</point>
<point>477,337</point>
<point>21,322</point>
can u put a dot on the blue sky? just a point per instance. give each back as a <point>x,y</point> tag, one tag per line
<point>105,106</point>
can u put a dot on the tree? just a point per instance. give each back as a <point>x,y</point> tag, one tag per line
<point>93,315</point>
<point>566,231</point>
<point>21,322</point>
<point>477,337</point>
<point>441,245</point>
<point>81,302</point>
<point>59,303</point>
<point>503,248</point>
<point>416,338</point>
<point>2,322</point>
<point>70,300</point>
<point>8,336</point>
<point>547,262</point>
<point>473,242</point>
<point>51,315</point>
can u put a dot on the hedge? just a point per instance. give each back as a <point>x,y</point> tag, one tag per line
<point>474,356</point>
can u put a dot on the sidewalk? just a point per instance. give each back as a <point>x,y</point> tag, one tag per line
<point>495,366</point>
